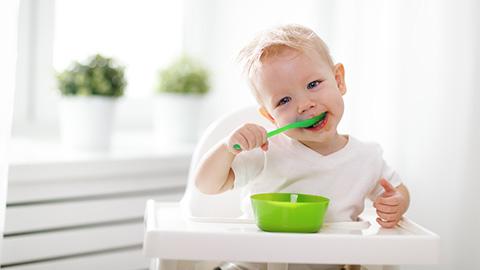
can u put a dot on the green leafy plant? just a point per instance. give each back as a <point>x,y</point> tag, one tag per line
<point>100,76</point>
<point>183,76</point>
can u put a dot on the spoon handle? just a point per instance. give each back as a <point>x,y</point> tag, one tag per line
<point>272,133</point>
<point>304,123</point>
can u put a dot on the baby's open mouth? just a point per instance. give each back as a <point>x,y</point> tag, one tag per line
<point>319,122</point>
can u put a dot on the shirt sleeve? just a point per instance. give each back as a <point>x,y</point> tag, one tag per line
<point>247,165</point>
<point>387,173</point>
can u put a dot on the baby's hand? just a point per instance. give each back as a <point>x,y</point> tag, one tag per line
<point>248,136</point>
<point>390,205</point>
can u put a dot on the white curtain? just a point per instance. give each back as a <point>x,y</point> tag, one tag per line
<point>8,48</point>
<point>412,71</point>
<point>414,85</point>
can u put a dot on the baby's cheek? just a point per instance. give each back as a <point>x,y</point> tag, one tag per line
<point>283,120</point>
<point>283,117</point>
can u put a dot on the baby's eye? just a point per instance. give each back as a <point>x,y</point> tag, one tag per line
<point>313,84</point>
<point>284,100</point>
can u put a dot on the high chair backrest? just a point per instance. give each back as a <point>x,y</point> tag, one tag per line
<point>196,204</point>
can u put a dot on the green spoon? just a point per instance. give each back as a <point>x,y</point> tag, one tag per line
<point>299,124</point>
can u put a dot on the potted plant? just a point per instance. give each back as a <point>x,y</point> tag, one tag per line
<point>180,93</point>
<point>89,92</point>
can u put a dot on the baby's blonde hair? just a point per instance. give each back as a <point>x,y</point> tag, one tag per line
<point>272,41</point>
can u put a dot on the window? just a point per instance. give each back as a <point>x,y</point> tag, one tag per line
<point>142,35</point>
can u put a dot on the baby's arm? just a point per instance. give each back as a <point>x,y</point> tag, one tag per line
<point>214,173</point>
<point>391,204</point>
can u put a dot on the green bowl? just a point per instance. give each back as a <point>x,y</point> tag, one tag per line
<point>278,212</point>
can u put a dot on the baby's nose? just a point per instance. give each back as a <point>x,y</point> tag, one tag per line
<point>306,106</point>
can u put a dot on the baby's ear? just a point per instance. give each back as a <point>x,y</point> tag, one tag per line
<point>339,71</point>
<point>265,114</point>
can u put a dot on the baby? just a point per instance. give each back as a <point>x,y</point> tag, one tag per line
<point>293,78</point>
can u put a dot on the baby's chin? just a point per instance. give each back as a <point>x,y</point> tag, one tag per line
<point>325,136</point>
<point>299,137</point>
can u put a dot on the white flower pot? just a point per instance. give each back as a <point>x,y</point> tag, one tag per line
<point>86,122</point>
<point>176,118</point>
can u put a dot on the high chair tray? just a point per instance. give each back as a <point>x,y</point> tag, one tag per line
<point>172,236</point>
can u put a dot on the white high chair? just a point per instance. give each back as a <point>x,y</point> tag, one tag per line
<point>207,228</point>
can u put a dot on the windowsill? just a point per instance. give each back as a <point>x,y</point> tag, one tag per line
<point>130,154</point>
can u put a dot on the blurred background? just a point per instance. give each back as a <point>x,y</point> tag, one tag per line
<point>412,74</point>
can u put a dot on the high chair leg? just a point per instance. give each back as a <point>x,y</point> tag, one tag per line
<point>351,267</point>
<point>159,264</point>
<point>380,267</point>
<point>277,266</point>
<point>153,264</point>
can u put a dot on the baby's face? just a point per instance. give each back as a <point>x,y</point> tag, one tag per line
<point>296,86</point>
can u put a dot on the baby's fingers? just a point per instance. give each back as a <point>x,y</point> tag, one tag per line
<point>385,208</point>
<point>258,135</point>
<point>237,140</point>
<point>386,224</point>
<point>262,136</point>
<point>265,146</point>
<point>387,216</point>
<point>248,137</point>
<point>253,138</point>
<point>393,200</point>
